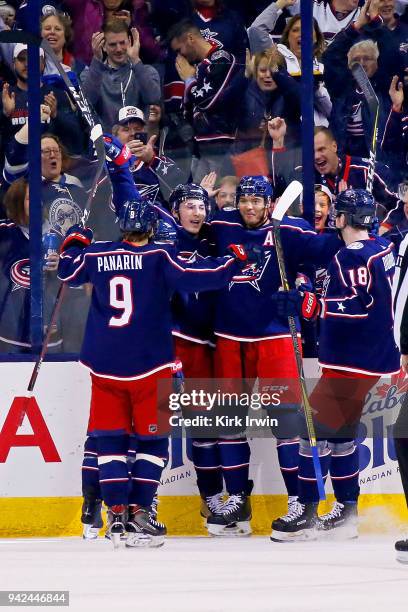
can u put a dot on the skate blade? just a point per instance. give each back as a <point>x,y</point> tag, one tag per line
<point>141,540</point>
<point>116,540</point>
<point>402,557</point>
<point>305,535</point>
<point>238,529</point>
<point>337,534</point>
<point>90,532</point>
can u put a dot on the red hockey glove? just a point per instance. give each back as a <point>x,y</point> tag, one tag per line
<point>77,236</point>
<point>116,152</point>
<point>296,303</point>
<point>247,254</point>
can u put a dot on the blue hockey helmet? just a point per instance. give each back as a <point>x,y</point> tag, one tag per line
<point>137,216</point>
<point>358,205</point>
<point>256,186</point>
<point>188,191</point>
<point>165,232</point>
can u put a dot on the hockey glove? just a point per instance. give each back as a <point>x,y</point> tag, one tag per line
<point>294,303</point>
<point>117,153</point>
<point>247,254</point>
<point>77,236</point>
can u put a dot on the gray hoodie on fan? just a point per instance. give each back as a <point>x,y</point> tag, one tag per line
<point>108,89</point>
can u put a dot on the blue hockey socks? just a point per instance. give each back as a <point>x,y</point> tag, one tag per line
<point>90,471</point>
<point>234,455</point>
<point>344,470</point>
<point>307,484</point>
<point>207,463</point>
<point>151,457</point>
<point>288,456</point>
<point>113,470</point>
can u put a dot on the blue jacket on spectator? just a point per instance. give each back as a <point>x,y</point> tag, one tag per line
<point>342,87</point>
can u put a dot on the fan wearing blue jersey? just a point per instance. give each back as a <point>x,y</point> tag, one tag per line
<point>356,348</point>
<point>253,340</point>
<point>128,348</point>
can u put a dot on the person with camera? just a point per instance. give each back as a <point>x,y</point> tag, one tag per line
<point>154,174</point>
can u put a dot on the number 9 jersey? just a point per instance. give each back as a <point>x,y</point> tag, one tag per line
<point>128,331</point>
<point>356,328</point>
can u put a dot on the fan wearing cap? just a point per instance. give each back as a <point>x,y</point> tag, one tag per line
<point>63,120</point>
<point>14,97</point>
<point>153,174</point>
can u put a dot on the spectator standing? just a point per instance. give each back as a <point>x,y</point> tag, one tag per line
<point>331,16</point>
<point>8,14</point>
<point>152,172</point>
<point>63,196</point>
<point>89,16</point>
<point>121,78</point>
<point>65,121</point>
<point>270,92</point>
<point>56,28</point>
<point>290,48</point>
<point>212,90</point>
<point>350,120</point>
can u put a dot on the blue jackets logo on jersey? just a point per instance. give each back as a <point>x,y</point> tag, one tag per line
<point>20,274</point>
<point>250,271</point>
<point>63,214</point>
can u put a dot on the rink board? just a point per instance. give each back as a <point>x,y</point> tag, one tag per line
<point>40,462</point>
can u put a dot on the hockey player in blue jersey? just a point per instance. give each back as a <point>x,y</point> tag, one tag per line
<point>130,319</point>
<point>193,313</point>
<point>253,340</point>
<point>193,325</point>
<point>356,348</point>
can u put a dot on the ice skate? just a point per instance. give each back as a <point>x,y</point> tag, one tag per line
<point>232,519</point>
<point>143,529</point>
<point>340,523</point>
<point>91,518</point>
<point>154,506</point>
<point>116,524</point>
<point>402,551</point>
<point>298,525</point>
<point>211,504</point>
<point>292,506</point>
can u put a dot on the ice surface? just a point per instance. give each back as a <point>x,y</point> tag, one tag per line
<point>211,575</point>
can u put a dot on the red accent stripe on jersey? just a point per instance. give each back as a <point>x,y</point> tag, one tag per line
<point>347,168</point>
<point>173,90</point>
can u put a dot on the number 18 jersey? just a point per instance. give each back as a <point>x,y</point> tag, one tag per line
<point>356,329</point>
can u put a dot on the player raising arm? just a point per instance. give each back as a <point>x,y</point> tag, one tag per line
<point>128,348</point>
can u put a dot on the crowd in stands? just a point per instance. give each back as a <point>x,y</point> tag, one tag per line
<point>204,91</point>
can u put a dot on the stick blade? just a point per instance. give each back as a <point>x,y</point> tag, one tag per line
<point>362,80</point>
<point>292,191</point>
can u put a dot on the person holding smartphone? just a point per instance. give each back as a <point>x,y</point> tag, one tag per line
<point>154,174</point>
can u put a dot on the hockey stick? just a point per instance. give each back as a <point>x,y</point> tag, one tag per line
<point>292,191</point>
<point>96,136</point>
<point>97,139</point>
<point>362,80</point>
